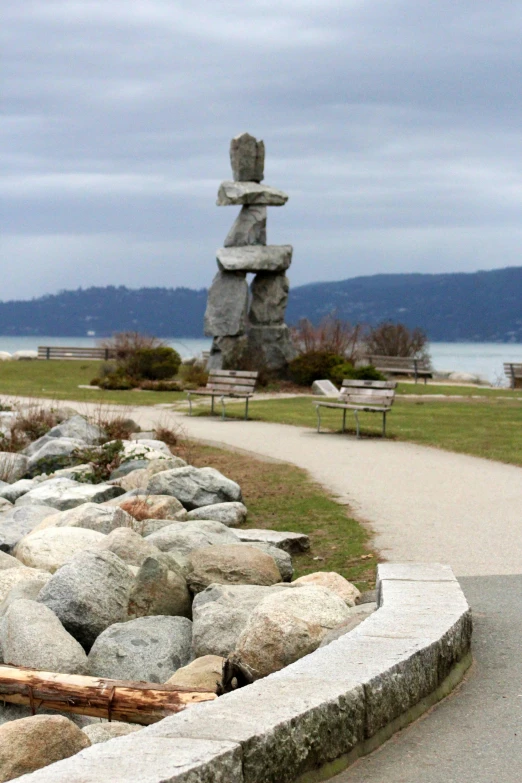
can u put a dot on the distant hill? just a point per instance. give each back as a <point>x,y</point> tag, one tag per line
<point>479,306</point>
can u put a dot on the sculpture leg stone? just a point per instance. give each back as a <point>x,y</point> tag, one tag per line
<point>228,353</point>
<point>272,345</point>
<point>249,228</point>
<point>226,313</point>
<point>269,299</point>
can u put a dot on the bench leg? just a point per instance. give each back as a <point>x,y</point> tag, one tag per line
<point>344,420</point>
<point>384,424</point>
<point>357,428</point>
<point>246,409</point>
<point>318,411</point>
<point>212,405</point>
<point>222,408</point>
<point>190,403</point>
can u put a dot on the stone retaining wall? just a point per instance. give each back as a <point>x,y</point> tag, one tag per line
<point>311,719</point>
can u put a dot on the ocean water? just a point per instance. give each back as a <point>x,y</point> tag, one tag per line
<point>483,359</point>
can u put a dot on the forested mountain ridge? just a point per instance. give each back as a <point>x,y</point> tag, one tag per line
<point>478,306</point>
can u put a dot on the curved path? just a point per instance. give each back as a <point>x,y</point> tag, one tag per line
<point>425,505</point>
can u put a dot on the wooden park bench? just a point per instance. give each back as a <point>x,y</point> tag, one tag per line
<point>513,372</point>
<point>367,396</point>
<point>400,365</point>
<point>70,352</point>
<point>227,383</point>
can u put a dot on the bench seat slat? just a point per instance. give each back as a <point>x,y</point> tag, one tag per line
<point>233,374</point>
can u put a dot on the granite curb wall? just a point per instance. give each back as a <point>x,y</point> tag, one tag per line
<point>313,718</point>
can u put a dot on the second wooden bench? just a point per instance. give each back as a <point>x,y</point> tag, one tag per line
<point>227,383</point>
<point>368,396</point>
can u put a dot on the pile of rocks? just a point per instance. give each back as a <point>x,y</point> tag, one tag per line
<point>146,576</point>
<point>258,331</point>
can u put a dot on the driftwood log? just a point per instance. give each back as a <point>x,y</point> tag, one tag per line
<point>98,697</point>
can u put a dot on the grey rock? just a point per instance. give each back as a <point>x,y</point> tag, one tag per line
<point>101,732</point>
<point>290,542</point>
<point>368,597</point>
<point>195,487</point>
<point>92,516</point>
<point>227,305</point>
<point>27,589</point>
<point>220,613</point>
<point>78,427</point>
<point>158,591</point>
<point>229,514</point>
<point>255,258</point>
<point>269,299</point>
<point>287,626</point>
<point>5,507</point>
<point>3,485</point>
<point>89,594</point>
<point>19,521</point>
<point>283,559</point>
<point>144,434</point>
<point>247,158</point>
<point>356,618</point>
<point>231,564</point>
<point>133,549</point>
<point>10,577</point>
<point>13,466</point>
<point>31,635</point>
<point>50,548</point>
<point>55,447</point>
<point>8,561</point>
<point>249,193</point>
<point>66,493</point>
<point>324,389</point>
<point>129,467</point>
<point>273,345</point>
<point>75,472</point>
<point>10,712</point>
<point>249,228</point>
<point>185,537</point>
<point>12,492</point>
<point>149,649</point>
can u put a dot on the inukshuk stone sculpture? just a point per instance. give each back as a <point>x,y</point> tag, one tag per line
<point>255,336</point>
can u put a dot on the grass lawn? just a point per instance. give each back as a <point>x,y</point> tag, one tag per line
<point>59,380</point>
<point>282,497</point>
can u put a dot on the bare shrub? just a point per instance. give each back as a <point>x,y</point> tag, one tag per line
<point>193,376</point>
<point>114,420</point>
<point>396,339</point>
<point>331,335</point>
<point>35,420</point>
<point>140,510</point>
<point>8,465</point>
<point>125,344</point>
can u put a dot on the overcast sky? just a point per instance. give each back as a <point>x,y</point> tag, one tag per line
<point>395,128</point>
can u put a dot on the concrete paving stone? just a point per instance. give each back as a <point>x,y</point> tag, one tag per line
<point>140,759</point>
<point>420,572</point>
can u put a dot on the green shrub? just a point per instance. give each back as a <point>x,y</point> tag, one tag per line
<point>313,366</point>
<point>116,381</point>
<point>346,370</point>
<point>161,386</point>
<point>152,364</point>
<point>193,376</point>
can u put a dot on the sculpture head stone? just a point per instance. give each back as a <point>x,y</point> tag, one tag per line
<point>247,157</point>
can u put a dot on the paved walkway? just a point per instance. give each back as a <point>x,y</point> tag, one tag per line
<point>427,505</point>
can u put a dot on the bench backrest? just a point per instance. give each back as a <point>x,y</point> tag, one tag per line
<point>513,368</point>
<point>236,382</point>
<point>395,363</point>
<point>368,392</point>
<point>70,352</point>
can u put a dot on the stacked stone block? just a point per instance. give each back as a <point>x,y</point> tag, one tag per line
<point>249,325</point>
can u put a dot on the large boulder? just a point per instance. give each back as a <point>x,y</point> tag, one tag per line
<point>231,564</point>
<point>229,514</point>
<point>79,428</point>
<point>269,298</point>
<point>205,672</point>
<point>51,455</point>
<point>63,494</point>
<point>19,521</point>
<point>286,626</point>
<point>8,561</point>
<point>125,469</point>
<point>12,466</point>
<point>90,516</point>
<point>51,548</point>
<point>185,537</point>
<point>334,582</point>
<point>195,487</point>
<point>101,732</point>
<point>220,614</point>
<point>158,591</point>
<point>31,743</point>
<point>89,594</point>
<point>5,507</point>
<point>149,648</point>
<point>133,549</point>
<point>12,576</point>
<point>27,590</point>
<point>144,506</point>
<point>31,635</point>
<point>12,492</point>
<point>283,559</point>
<point>227,305</point>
